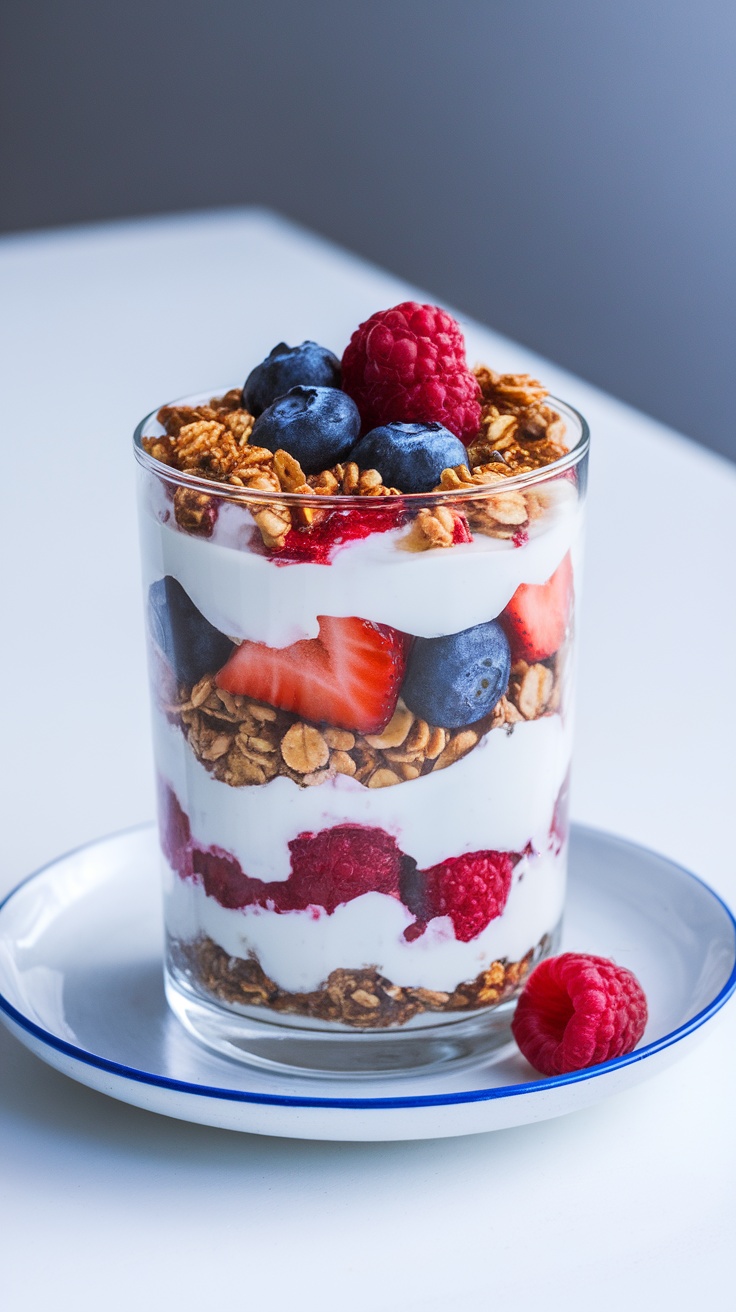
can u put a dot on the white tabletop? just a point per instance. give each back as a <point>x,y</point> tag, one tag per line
<point>104,1205</point>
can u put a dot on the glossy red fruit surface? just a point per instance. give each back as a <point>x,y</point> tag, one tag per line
<point>471,889</point>
<point>339,864</point>
<point>537,617</point>
<point>576,1011</point>
<point>407,364</point>
<point>318,545</point>
<point>348,677</point>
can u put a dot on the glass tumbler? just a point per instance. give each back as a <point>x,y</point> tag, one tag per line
<point>362,745</point>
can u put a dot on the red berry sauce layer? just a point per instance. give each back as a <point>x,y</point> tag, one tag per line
<point>318,544</point>
<point>337,865</point>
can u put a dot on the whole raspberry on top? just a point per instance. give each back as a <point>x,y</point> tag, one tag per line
<point>577,1010</point>
<point>407,364</point>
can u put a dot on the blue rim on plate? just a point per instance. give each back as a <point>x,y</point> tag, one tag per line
<point>365,1104</point>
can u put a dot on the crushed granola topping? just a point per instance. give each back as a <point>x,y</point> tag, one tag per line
<point>431,528</point>
<point>516,424</point>
<point>361,998</point>
<point>243,742</point>
<point>194,511</point>
<point>519,433</point>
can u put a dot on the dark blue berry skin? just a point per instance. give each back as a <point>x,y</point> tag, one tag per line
<point>410,457</point>
<point>316,425</point>
<point>457,679</point>
<point>191,645</point>
<point>308,365</point>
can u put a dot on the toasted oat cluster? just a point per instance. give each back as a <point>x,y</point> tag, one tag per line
<point>243,742</point>
<point>518,433</point>
<point>516,424</point>
<point>363,999</point>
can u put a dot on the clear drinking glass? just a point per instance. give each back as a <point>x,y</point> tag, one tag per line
<point>337,899</point>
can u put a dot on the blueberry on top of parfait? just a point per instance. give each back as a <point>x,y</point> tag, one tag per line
<point>409,457</point>
<point>307,365</point>
<point>316,425</point>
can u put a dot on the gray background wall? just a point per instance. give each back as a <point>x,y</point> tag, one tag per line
<point>562,169</point>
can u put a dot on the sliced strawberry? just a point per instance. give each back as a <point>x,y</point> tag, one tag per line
<point>349,676</point>
<point>538,614</point>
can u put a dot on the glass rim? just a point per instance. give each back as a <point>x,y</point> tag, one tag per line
<point>246,495</point>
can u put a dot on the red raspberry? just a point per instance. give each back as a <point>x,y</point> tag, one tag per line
<point>472,890</point>
<point>224,880</point>
<point>327,869</point>
<point>407,365</point>
<point>576,1011</point>
<point>461,530</point>
<point>339,864</point>
<point>175,835</point>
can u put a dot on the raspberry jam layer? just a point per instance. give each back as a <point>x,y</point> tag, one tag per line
<point>354,900</point>
<point>338,865</point>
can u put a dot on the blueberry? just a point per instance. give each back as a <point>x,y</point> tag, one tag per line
<point>308,365</point>
<point>191,645</point>
<point>459,678</point>
<point>316,425</point>
<point>410,457</point>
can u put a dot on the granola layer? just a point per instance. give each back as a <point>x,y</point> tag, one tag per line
<point>363,999</point>
<point>242,742</point>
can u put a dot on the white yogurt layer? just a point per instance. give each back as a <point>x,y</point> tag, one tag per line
<point>499,797</point>
<point>299,949</point>
<point>427,594</point>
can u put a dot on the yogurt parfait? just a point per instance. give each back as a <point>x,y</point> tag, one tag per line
<point>360,581</point>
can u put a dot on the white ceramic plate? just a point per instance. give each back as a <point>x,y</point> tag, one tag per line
<point>81,986</point>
